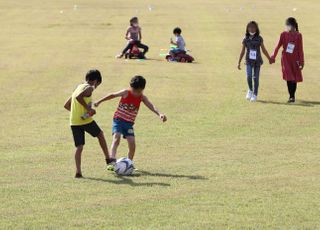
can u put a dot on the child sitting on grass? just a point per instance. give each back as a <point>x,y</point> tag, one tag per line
<point>124,117</point>
<point>179,42</point>
<point>81,121</point>
<point>134,37</point>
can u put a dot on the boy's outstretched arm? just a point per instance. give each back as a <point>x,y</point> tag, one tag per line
<point>67,105</point>
<point>121,93</point>
<point>150,106</point>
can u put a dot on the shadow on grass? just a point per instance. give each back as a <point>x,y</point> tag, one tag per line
<point>127,181</point>
<point>156,174</point>
<point>297,103</point>
<point>156,59</point>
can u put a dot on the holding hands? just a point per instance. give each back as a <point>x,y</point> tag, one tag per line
<point>301,66</point>
<point>272,60</point>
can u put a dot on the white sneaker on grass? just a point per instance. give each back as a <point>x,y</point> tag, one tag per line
<point>249,95</point>
<point>253,98</point>
<point>119,55</point>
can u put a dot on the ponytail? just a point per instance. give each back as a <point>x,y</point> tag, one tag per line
<point>292,22</point>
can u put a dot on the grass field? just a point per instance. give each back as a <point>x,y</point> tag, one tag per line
<point>219,162</point>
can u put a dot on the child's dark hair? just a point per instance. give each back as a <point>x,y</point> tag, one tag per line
<point>94,75</point>
<point>177,30</point>
<point>252,23</point>
<point>133,20</point>
<point>138,82</point>
<point>292,22</point>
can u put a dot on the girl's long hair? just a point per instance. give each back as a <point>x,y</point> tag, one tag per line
<point>252,23</point>
<point>292,22</point>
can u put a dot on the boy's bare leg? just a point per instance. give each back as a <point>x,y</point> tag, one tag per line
<point>115,143</point>
<point>103,145</point>
<point>132,146</point>
<point>77,158</point>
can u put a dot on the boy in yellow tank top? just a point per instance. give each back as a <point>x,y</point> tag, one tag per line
<point>81,121</point>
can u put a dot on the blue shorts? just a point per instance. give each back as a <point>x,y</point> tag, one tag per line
<point>123,127</point>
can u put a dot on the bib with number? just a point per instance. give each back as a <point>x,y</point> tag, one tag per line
<point>253,54</point>
<point>290,48</point>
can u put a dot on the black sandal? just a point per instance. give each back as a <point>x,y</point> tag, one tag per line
<point>291,100</point>
<point>78,175</point>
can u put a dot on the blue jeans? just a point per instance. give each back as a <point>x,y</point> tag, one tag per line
<point>253,74</point>
<point>176,51</point>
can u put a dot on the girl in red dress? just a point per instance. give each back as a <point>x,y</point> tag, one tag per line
<point>292,59</point>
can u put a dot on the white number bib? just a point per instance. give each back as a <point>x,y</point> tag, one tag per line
<point>290,48</point>
<point>253,55</point>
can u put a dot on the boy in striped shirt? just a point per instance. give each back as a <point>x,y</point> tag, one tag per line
<point>125,115</point>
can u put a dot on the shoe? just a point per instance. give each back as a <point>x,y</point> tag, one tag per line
<point>78,175</point>
<point>110,167</point>
<point>254,98</point>
<point>110,164</point>
<point>119,56</point>
<point>291,100</point>
<point>172,60</point>
<point>249,95</point>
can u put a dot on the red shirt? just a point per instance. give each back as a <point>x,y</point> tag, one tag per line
<point>128,107</point>
<point>292,55</point>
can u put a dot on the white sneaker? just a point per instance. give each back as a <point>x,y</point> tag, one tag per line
<point>249,95</point>
<point>119,56</point>
<point>253,98</point>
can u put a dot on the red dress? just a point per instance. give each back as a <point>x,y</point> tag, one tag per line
<point>292,56</point>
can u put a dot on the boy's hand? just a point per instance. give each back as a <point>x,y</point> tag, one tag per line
<point>163,117</point>
<point>91,111</point>
<point>239,66</point>
<point>96,104</point>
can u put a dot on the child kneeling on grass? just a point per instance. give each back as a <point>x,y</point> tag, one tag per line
<point>81,121</point>
<point>134,37</point>
<point>124,117</point>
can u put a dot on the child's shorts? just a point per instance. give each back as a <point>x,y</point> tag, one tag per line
<point>78,132</point>
<point>123,127</point>
<point>176,51</point>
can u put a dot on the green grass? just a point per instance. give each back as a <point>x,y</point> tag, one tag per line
<point>218,163</point>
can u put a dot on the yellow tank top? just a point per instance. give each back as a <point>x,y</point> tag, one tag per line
<point>77,110</point>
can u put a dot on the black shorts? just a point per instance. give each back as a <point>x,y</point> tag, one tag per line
<point>78,132</point>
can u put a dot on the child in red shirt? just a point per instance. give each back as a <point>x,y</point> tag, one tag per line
<point>125,115</point>
<point>292,59</point>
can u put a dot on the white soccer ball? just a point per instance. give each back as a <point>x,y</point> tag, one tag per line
<point>124,167</point>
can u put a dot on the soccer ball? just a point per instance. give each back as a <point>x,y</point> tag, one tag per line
<point>124,167</point>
